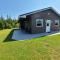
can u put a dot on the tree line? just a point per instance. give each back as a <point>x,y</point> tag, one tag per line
<point>8,23</point>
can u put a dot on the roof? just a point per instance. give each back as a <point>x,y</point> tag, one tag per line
<point>33,12</point>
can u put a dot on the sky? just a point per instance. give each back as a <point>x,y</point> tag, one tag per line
<point>14,8</point>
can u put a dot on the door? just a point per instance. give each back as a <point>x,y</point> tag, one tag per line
<point>48,25</point>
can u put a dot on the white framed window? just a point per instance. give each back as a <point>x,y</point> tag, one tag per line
<point>57,22</point>
<point>39,22</point>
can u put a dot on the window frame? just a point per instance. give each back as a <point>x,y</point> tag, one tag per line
<point>39,20</point>
<point>57,21</point>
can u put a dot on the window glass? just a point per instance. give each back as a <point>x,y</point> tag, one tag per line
<point>56,22</point>
<point>39,22</point>
<point>47,24</point>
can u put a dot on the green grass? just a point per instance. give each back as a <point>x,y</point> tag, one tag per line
<point>44,48</point>
<point>4,34</point>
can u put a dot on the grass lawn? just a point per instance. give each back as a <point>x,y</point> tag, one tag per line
<point>4,34</point>
<point>44,48</point>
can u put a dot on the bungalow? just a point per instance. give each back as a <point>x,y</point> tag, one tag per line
<point>44,20</point>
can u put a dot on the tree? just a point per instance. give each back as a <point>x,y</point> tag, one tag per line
<point>8,23</point>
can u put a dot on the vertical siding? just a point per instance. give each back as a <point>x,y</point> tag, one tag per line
<point>45,15</point>
<point>29,23</point>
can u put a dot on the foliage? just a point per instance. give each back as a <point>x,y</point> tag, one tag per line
<point>8,23</point>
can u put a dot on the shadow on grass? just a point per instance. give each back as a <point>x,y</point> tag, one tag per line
<point>8,39</point>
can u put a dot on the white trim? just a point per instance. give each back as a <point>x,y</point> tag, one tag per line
<point>48,28</point>
<point>39,20</point>
<point>57,22</point>
<point>24,16</point>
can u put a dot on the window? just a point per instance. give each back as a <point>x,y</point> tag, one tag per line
<point>56,22</point>
<point>47,24</point>
<point>39,22</point>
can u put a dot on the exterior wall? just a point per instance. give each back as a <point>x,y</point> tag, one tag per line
<point>25,24</point>
<point>45,15</point>
<point>28,18</point>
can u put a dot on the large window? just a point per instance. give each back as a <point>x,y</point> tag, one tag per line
<point>57,22</point>
<point>39,22</point>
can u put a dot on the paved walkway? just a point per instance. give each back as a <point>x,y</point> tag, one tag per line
<point>19,35</point>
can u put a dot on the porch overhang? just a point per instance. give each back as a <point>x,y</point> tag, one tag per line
<point>23,16</point>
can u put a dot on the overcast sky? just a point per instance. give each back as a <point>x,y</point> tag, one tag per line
<point>16,7</point>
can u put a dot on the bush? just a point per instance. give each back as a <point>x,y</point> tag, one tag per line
<point>8,23</point>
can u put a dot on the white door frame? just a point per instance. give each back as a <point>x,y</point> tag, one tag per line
<point>48,25</point>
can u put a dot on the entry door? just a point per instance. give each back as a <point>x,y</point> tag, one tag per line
<point>48,25</point>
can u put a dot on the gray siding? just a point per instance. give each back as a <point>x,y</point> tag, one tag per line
<point>44,15</point>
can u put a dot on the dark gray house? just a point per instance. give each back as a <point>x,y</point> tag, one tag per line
<point>44,20</point>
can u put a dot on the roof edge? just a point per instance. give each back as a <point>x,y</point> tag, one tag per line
<point>40,11</point>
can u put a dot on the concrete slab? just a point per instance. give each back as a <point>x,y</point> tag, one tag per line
<point>19,35</point>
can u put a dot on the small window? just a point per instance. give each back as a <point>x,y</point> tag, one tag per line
<point>56,22</point>
<point>47,24</point>
<point>39,22</point>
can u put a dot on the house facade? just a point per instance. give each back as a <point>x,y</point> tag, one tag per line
<point>44,20</point>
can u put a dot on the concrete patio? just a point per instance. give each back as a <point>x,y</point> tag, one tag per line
<point>20,35</point>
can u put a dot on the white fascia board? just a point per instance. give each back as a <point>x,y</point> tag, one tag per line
<point>24,16</point>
